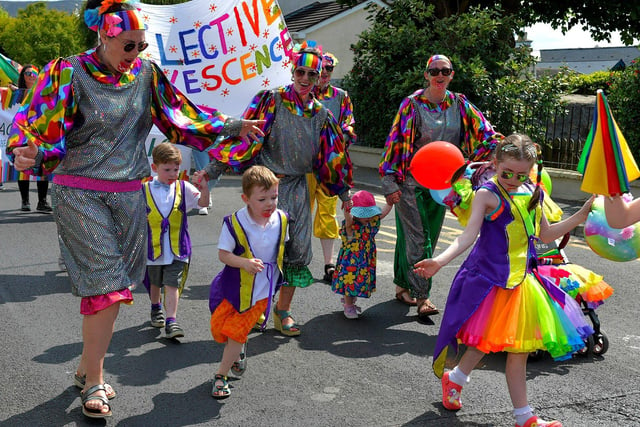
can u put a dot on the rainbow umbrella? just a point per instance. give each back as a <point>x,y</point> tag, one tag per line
<point>9,71</point>
<point>606,164</point>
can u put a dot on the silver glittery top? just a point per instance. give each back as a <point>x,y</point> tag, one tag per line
<point>108,137</point>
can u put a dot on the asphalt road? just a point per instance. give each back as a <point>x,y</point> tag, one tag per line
<point>374,371</point>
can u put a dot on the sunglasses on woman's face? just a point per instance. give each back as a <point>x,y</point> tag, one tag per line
<point>435,71</point>
<point>30,73</point>
<point>129,46</point>
<point>522,177</point>
<point>312,74</point>
<point>328,68</point>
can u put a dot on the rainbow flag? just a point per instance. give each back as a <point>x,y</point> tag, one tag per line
<point>607,164</point>
<point>9,97</point>
<point>9,71</point>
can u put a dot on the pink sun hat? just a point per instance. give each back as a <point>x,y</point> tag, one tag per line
<point>364,205</point>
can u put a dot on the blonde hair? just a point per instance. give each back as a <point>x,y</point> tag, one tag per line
<point>258,176</point>
<point>166,153</point>
<point>521,147</point>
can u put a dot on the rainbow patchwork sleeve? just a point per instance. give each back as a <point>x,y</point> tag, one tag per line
<point>398,147</point>
<point>333,165</point>
<point>179,119</point>
<point>347,121</point>
<point>240,152</point>
<point>479,136</point>
<point>46,116</point>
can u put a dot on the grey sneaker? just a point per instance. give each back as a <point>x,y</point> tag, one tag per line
<point>173,330</point>
<point>157,318</point>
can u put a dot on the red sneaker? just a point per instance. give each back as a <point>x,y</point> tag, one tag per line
<point>451,399</point>
<point>539,422</point>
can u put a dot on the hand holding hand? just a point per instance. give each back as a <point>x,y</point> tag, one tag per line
<point>25,156</point>
<point>347,205</point>
<point>254,266</point>
<point>252,129</point>
<point>393,198</point>
<point>427,268</point>
<point>199,179</point>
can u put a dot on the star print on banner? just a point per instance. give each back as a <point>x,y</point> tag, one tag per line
<point>220,53</point>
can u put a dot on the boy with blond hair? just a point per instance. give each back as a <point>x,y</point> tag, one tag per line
<point>251,245</point>
<point>169,246</point>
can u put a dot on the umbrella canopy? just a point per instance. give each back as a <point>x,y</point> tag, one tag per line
<point>606,163</point>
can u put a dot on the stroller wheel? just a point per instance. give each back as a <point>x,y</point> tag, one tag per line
<point>601,344</point>
<point>588,347</point>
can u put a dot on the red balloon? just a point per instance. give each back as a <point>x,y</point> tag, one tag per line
<point>434,164</point>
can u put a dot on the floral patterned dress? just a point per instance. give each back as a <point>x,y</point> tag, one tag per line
<point>355,273</point>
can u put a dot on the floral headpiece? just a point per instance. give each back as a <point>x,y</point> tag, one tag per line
<point>329,59</point>
<point>307,59</point>
<point>439,58</point>
<point>115,22</point>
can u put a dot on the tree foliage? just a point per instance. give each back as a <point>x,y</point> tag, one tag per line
<point>38,35</point>
<point>390,59</point>
<point>623,94</point>
<point>600,18</point>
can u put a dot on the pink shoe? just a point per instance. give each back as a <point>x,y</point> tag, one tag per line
<point>539,422</point>
<point>451,391</point>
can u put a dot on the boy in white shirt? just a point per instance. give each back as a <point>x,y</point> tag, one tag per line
<point>251,245</point>
<point>169,248</point>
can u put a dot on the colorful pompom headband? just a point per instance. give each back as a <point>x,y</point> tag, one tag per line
<point>329,59</point>
<point>114,22</point>
<point>307,59</point>
<point>439,58</point>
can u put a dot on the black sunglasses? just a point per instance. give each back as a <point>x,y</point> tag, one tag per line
<point>313,75</point>
<point>522,177</point>
<point>329,68</point>
<point>30,73</point>
<point>435,71</point>
<point>129,46</point>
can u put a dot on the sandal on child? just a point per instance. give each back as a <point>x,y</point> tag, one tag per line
<point>240,365</point>
<point>328,272</point>
<point>89,395</point>
<point>405,297</point>
<point>80,381</point>
<point>220,387</point>
<point>427,309</point>
<point>291,330</point>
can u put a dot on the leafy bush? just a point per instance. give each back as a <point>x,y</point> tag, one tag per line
<point>623,95</point>
<point>588,84</point>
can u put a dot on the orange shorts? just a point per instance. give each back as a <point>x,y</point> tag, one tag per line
<point>226,322</point>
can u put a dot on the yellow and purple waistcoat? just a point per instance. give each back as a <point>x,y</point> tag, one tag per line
<point>175,224</point>
<point>235,284</point>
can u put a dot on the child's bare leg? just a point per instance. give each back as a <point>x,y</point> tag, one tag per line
<point>230,354</point>
<point>171,301</point>
<point>471,357</point>
<point>154,294</point>
<point>348,300</point>
<point>516,374</point>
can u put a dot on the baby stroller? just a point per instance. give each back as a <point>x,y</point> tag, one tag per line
<point>553,254</point>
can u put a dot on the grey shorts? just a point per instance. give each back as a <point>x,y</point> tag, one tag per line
<point>171,274</point>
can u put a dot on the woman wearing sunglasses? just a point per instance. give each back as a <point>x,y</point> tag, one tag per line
<point>301,137</point>
<point>325,225</point>
<point>26,80</point>
<point>430,114</point>
<point>88,118</point>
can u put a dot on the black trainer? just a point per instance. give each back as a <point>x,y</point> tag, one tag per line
<point>44,207</point>
<point>173,330</point>
<point>26,207</point>
<point>157,318</point>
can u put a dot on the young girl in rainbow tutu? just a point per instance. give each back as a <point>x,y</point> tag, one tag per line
<point>498,301</point>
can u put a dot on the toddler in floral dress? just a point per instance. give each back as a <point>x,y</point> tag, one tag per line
<point>355,274</point>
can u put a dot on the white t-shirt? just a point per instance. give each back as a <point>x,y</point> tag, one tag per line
<point>264,245</point>
<point>164,197</point>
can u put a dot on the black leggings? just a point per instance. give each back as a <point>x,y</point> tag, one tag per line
<point>43,187</point>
